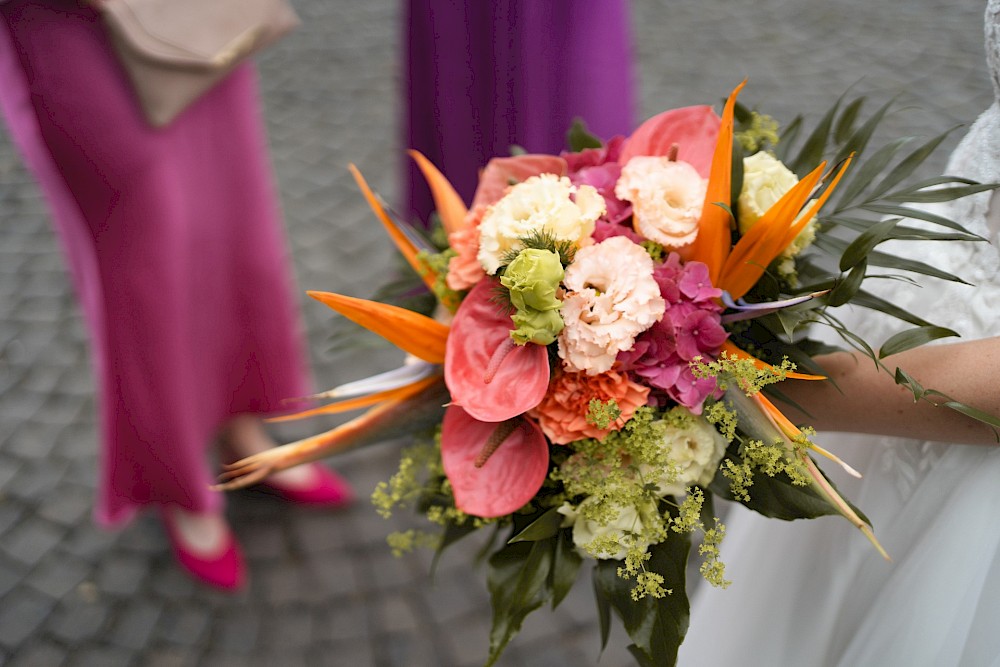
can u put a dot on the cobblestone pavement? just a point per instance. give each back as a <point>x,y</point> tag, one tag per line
<point>325,590</point>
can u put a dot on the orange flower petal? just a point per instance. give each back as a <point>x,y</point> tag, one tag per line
<point>711,246</point>
<point>412,332</point>
<point>405,246</point>
<point>346,405</point>
<point>736,353</point>
<point>448,203</point>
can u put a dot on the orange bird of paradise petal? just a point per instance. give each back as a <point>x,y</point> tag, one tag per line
<point>735,352</point>
<point>411,332</point>
<point>447,201</point>
<point>405,246</point>
<point>349,404</point>
<point>711,246</point>
<point>775,230</point>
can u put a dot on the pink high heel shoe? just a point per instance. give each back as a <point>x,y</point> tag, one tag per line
<point>327,490</point>
<point>223,568</point>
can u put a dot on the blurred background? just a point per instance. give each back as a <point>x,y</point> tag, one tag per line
<point>324,588</point>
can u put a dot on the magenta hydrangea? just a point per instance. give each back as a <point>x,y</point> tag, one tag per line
<point>691,327</point>
<point>599,168</point>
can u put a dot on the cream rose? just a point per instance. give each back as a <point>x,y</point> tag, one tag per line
<point>696,451</point>
<point>667,198</point>
<point>547,203</point>
<point>585,531</point>
<point>765,181</point>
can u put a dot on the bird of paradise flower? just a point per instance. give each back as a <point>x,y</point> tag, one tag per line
<point>494,454</point>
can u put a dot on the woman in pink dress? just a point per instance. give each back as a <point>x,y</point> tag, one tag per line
<point>174,243</point>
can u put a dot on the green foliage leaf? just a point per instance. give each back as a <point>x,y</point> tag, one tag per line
<point>578,138</point>
<point>846,289</point>
<point>858,249</point>
<point>872,302</point>
<point>516,578</point>
<point>900,232</point>
<point>603,609</point>
<point>867,172</point>
<point>565,567</point>
<point>835,246</point>
<point>452,533</point>
<point>811,153</point>
<point>789,134</point>
<point>845,124</point>
<point>908,165</point>
<point>939,194</point>
<point>777,498</point>
<point>917,214</point>
<point>859,140</point>
<point>911,338</point>
<point>542,528</point>
<point>656,626</point>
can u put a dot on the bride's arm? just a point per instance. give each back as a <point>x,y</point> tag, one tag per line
<point>869,401</point>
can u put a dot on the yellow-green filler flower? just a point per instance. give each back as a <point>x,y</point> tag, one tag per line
<point>533,278</point>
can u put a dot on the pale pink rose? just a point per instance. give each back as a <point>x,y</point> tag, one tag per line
<point>667,198</point>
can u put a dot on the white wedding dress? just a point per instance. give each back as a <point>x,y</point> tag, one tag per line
<point>815,593</point>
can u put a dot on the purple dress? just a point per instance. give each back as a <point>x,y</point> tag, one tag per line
<point>175,247</point>
<point>483,76</point>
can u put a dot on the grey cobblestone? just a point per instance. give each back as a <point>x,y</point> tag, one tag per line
<point>325,590</point>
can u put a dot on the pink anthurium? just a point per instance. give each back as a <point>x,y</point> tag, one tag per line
<point>494,468</point>
<point>694,130</point>
<point>490,376</point>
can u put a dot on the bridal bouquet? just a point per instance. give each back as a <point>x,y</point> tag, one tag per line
<point>606,328</point>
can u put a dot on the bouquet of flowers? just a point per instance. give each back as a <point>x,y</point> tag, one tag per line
<point>606,328</point>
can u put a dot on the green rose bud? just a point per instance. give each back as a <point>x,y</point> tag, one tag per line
<point>532,279</point>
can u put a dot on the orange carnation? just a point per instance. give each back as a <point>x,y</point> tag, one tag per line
<point>464,270</point>
<point>562,414</point>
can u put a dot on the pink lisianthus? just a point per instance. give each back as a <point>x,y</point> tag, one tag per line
<point>562,414</point>
<point>611,297</point>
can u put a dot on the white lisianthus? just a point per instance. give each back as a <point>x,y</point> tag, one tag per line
<point>695,451</point>
<point>765,181</point>
<point>628,520</point>
<point>547,203</point>
<point>667,198</point>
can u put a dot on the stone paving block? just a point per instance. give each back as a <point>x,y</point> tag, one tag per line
<point>10,514</point>
<point>134,624</point>
<point>122,575</point>
<point>41,654</point>
<point>22,611</point>
<point>336,577</point>
<point>407,649</point>
<point>290,628</point>
<point>37,481</point>
<point>29,541</point>
<point>169,583</point>
<point>343,622</point>
<point>74,622</point>
<point>59,574</point>
<point>69,507</point>
<point>183,625</point>
<point>170,657</point>
<point>88,542</point>
<point>343,654</point>
<point>235,631</point>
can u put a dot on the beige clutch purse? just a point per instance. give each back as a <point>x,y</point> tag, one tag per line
<point>176,50</point>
